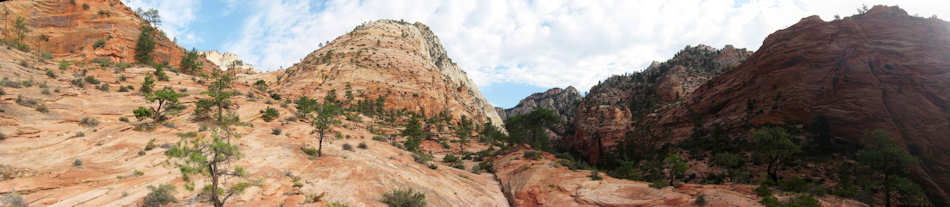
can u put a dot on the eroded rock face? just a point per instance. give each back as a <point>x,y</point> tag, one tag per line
<point>881,70</point>
<point>226,61</point>
<point>543,182</point>
<point>614,107</point>
<point>560,101</point>
<point>72,28</point>
<point>403,62</point>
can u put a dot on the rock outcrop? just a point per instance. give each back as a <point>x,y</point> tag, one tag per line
<point>70,30</point>
<point>402,62</point>
<point>560,101</point>
<point>227,61</point>
<point>613,108</point>
<point>882,70</point>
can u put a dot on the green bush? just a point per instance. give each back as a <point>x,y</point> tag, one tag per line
<point>142,113</point>
<point>594,175</point>
<point>145,45</point>
<point>729,160</point>
<point>25,101</point>
<point>159,196</point>
<point>362,145</point>
<point>421,158</point>
<point>309,151</point>
<point>404,198</point>
<point>42,108</point>
<point>99,44</point>
<point>77,163</point>
<point>91,80</point>
<point>486,166</point>
<point>347,147</point>
<point>458,165</point>
<point>275,131</point>
<point>449,158</point>
<point>532,155</point>
<point>269,114</point>
<point>49,73</point>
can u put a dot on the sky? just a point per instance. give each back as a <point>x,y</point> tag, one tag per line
<point>509,48</point>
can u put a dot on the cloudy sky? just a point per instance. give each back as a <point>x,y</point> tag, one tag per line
<point>509,48</point>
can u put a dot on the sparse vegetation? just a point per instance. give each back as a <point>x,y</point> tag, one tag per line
<point>189,63</point>
<point>145,45</point>
<point>99,44</point>
<point>89,122</point>
<point>362,145</point>
<point>275,131</point>
<point>774,148</point>
<point>159,196</point>
<point>348,147</point>
<point>404,198</point>
<point>269,114</point>
<point>532,155</point>
<point>13,199</point>
<point>77,163</point>
<point>413,133</point>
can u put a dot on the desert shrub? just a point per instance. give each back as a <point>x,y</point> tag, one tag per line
<point>25,101</point>
<point>10,84</point>
<point>42,108</point>
<point>63,65</point>
<point>362,145</point>
<point>89,122</point>
<point>486,166</point>
<point>103,62</point>
<point>532,155</point>
<point>269,114</point>
<point>160,73</point>
<point>309,151</point>
<point>730,160</point>
<point>77,163</point>
<point>142,113</point>
<point>91,80</point>
<point>159,196</point>
<point>2,136</point>
<point>421,158</point>
<point>275,131</point>
<point>99,44</point>
<point>458,165</point>
<point>275,96</point>
<point>49,73</point>
<point>45,91</point>
<point>451,158</point>
<point>404,198</point>
<point>347,146</point>
<point>103,87</point>
<point>433,166</point>
<point>379,138</point>
<point>2,92</point>
<point>150,145</point>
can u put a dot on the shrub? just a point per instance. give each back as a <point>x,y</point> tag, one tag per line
<point>91,80</point>
<point>10,84</point>
<point>49,73</point>
<point>486,166</point>
<point>77,163</point>
<point>160,73</point>
<point>379,138</point>
<point>362,145</point>
<point>275,96</point>
<point>275,131</point>
<point>142,113</point>
<point>347,146</point>
<point>99,44</point>
<point>659,183</point>
<point>729,160</point>
<point>45,91</point>
<point>532,155</point>
<point>26,101</point>
<point>309,151</point>
<point>150,145</point>
<point>85,6</point>
<point>404,198</point>
<point>13,200</point>
<point>269,114</point>
<point>2,136</point>
<point>63,65</point>
<point>451,158</point>
<point>433,166</point>
<point>421,158</point>
<point>89,122</point>
<point>159,196</point>
<point>103,62</point>
<point>42,108</point>
<point>103,87</point>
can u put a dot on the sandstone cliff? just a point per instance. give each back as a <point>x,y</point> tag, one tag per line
<point>402,62</point>
<point>613,108</point>
<point>882,70</point>
<point>227,61</point>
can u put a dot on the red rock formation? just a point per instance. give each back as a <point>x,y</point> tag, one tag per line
<point>73,27</point>
<point>612,107</point>
<point>403,62</point>
<point>562,102</point>
<point>880,70</point>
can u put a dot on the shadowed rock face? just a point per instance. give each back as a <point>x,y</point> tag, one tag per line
<point>560,101</point>
<point>403,62</point>
<point>72,29</point>
<point>612,108</point>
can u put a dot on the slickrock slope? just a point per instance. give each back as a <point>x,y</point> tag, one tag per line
<point>74,27</point>
<point>613,108</point>
<point>403,62</point>
<point>543,182</point>
<point>881,70</point>
<point>560,101</point>
<point>39,150</point>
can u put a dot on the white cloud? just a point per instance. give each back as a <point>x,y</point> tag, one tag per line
<point>542,43</point>
<point>177,17</point>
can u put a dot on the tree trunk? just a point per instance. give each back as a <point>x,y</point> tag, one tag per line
<point>320,147</point>
<point>214,182</point>
<point>887,191</point>
<point>159,110</point>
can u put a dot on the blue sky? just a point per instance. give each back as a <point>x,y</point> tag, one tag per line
<point>509,48</point>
